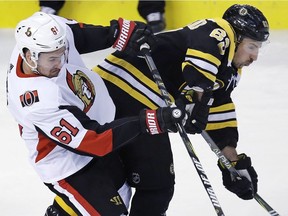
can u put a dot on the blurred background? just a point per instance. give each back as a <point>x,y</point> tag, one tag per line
<point>177,13</point>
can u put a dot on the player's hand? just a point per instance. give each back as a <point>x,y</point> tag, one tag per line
<point>197,105</point>
<point>161,120</point>
<point>128,35</point>
<point>245,188</point>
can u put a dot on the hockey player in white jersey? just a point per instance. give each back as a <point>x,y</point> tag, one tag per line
<point>65,113</point>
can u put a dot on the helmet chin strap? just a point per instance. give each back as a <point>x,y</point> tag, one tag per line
<point>33,68</point>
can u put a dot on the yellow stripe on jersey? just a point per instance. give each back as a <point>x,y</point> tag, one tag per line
<point>229,108</point>
<point>135,72</point>
<point>203,55</point>
<point>221,125</point>
<point>125,87</point>
<point>206,74</point>
<point>222,108</point>
<point>64,206</point>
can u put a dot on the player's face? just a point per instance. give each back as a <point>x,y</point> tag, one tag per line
<point>49,64</point>
<point>247,52</point>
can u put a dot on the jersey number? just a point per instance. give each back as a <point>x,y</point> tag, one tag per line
<point>221,36</point>
<point>65,132</point>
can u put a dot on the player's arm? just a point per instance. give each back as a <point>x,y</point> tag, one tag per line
<point>222,127</point>
<point>72,129</point>
<point>222,121</point>
<point>122,35</point>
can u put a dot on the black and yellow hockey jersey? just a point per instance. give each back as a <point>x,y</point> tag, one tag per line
<point>199,54</point>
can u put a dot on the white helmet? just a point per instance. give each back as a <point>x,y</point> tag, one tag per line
<point>39,33</point>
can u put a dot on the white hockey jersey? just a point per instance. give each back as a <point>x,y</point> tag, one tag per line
<point>34,102</point>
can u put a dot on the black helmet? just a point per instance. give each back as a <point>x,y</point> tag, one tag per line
<point>247,21</point>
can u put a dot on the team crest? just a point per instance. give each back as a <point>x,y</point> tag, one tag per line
<point>82,86</point>
<point>29,98</point>
<point>243,11</point>
<point>218,84</point>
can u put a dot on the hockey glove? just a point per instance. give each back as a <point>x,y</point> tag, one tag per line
<point>161,120</point>
<point>245,188</point>
<point>129,35</point>
<point>197,104</point>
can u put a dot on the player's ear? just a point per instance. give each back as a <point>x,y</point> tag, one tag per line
<point>27,55</point>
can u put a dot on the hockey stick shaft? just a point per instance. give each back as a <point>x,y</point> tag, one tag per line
<point>234,172</point>
<point>196,162</point>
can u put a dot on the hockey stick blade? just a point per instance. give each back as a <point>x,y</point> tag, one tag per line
<point>145,49</point>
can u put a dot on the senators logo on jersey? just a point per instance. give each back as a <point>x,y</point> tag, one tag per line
<point>29,98</point>
<point>82,86</point>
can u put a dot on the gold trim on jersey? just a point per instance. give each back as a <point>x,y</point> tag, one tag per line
<point>125,87</point>
<point>228,108</point>
<point>135,72</point>
<point>64,206</point>
<point>222,108</point>
<point>221,125</point>
<point>204,56</point>
<point>141,78</point>
<point>208,75</point>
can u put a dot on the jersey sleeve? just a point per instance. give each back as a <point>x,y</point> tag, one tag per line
<point>222,121</point>
<point>71,128</point>
<point>90,38</point>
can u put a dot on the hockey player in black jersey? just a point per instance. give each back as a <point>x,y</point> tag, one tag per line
<point>198,63</point>
<point>204,58</point>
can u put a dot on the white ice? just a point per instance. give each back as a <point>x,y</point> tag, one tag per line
<point>262,109</point>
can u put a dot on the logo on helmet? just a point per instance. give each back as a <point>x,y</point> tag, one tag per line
<point>28,32</point>
<point>265,24</point>
<point>243,11</point>
<point>54,30</point>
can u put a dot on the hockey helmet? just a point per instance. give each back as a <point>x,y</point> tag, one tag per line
<point>247,21</point>
<point>39,33</point>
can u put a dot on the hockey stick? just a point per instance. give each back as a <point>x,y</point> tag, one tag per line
<point>234,172</point>
<point>205,181</point>
<point>145,49</point>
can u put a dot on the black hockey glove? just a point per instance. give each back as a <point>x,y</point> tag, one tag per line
<point>161,120</point>
<point>245,188</point>
<point>197,105</point>
<point>128,35</point>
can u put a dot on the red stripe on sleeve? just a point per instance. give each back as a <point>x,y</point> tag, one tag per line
<point>97,144</point>
<point>44,147</point>
<point>79,198</point>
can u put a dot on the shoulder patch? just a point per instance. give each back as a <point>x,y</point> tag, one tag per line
<point>29,98</point>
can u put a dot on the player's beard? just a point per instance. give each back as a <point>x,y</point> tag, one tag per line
<point>54,72</point>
